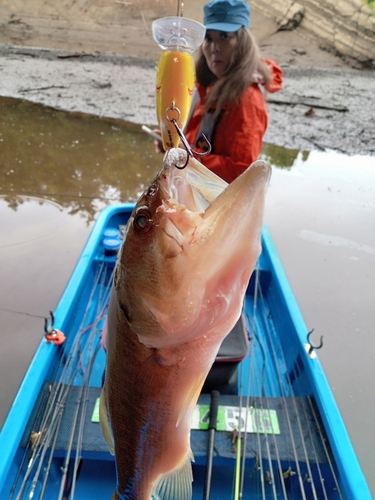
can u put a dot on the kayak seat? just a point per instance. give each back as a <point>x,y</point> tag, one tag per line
<point>223,375</point>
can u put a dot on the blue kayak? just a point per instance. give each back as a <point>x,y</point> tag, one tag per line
<point>278,435</point>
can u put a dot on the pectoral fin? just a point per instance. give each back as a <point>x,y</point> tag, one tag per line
<point>104,422</point>
<point>191,399</point>
<point>177,484</point>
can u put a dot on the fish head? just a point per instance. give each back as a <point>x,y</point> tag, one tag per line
<point>190,247</point>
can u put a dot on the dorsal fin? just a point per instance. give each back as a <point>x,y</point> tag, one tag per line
<point>177,484</point>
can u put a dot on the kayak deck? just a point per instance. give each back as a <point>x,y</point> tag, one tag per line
<point>293,457</point>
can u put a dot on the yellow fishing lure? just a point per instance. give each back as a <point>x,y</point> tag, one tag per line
<point>174,93</point>
<point>175,78</point>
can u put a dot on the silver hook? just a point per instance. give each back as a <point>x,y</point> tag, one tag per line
<point>311,345</point>
<point>190,151</point>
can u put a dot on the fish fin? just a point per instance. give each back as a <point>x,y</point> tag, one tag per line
<point>104,422</point>
<point>177,483</point>
<point>192,398</point>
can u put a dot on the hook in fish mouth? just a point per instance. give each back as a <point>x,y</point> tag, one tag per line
<point>190,152</point>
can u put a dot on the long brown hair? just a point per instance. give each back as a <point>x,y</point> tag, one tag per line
<point>245,63</point>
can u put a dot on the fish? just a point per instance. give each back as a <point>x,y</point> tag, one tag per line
<point>190,246</point>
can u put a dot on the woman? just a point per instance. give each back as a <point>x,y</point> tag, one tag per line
<point>231,110</point>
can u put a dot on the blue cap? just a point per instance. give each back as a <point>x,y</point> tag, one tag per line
<point>226,15</point>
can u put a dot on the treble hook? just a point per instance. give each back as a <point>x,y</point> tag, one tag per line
<point>311,345</point>
<point>189,150</point>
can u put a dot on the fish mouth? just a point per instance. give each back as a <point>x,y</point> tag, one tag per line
<point>185,195</point>
<point>193,188</point>
<point>198,208</point>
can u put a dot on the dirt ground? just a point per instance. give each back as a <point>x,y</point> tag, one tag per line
<point>99,57</point>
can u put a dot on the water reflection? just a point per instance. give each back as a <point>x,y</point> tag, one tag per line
<point>282,157</point>
<point>79,161</point>
<point>29,220</point>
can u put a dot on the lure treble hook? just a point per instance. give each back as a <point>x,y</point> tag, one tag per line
<point>189,150</point>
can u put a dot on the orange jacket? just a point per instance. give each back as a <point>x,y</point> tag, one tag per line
<point>239,133</point>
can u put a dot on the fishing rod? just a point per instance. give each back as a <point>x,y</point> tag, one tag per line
<point>30,443</point>
<point>259,457</point>
<point>78,457</point>
<point>43,440</point>
<point>262,391</point>
<point>254,373</point>
<point>283,397</point>
<point>314,450</point>
<point>55,407</point>
<point>299,424</point>
<point>237,475</point>
<point>270,477</point>
<point>44,485</point>
<point>259,388</point>
<point>304,389</point>
<point>35,443</point>
<point>86,377</point>
<point>214,407</point>
<point>102,305</point>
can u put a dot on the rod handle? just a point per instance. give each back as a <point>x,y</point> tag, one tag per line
<point>214,407</point>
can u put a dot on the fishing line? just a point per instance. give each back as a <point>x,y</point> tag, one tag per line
<point>57,399</point>
<point>87,347</point>
<point>30,444</point>
<point>102,306</point>
<point>260,453</point>
<point>261,386</point>
<point>238,442</point>
<point>39,423</point>
<point>250,372</point>
<point>42,439</point>
<point>266,321</point>
<point>260,389</point>
<point>305,392</point>
<point>253,375</point>
<point>246,416</point>
<point>263,391</point>
<point>304,389</point>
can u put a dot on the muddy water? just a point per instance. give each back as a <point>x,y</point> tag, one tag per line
<point>74,160</point>
<point>58,170</point>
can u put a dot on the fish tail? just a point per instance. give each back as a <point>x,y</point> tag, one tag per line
<point>177,483</point>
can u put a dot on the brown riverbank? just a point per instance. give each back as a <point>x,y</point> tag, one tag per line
<point>100,58</point>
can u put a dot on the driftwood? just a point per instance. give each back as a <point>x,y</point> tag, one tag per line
<point>43,88</point>
<point>309,104</point>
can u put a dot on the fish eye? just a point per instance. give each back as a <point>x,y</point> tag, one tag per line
<point>142,220</point>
